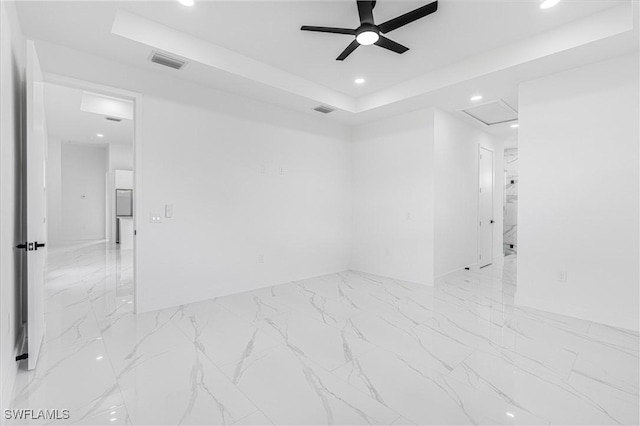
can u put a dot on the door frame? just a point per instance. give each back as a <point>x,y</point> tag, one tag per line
<point>136,98</point>
<point>493,195</point>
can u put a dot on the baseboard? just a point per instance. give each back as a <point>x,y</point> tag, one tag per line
<point>473,266</point>
<point>82,238</point>
<point>428,284</point>
<point>610,318</point>
<point>444,274</point>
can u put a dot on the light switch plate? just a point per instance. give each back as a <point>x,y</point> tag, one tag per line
<point>168,210</point>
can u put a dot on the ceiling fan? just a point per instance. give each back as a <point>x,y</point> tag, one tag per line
<point>369,33</point>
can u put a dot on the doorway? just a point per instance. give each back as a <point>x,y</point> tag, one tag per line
<point>90,176</point>
<point>89,208</point>
<point>510,203</point>
<point>485,206</point>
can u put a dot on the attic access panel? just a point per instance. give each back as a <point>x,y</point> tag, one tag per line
<point>491,113</point>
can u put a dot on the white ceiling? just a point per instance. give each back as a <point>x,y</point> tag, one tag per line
<point>270,32</point>
<point>450,50</point>
<point>67,122</point>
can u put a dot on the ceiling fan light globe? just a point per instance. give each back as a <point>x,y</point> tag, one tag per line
<point>367,38</point>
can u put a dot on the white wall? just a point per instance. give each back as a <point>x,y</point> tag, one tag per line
<point>456,192</point>
<point>242,191</point>
<point>416,195</point>
<point>206,161</point>
<point>123,179</point>
<point>12,57</point>
<point>120,156</point>
<point>393,197</point>
<point>578,202</point>
<point>54,191</point>
<point>83,191</point>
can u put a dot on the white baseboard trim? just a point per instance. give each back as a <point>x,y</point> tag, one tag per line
<point>450,272</point>
<point>472,267</point>
<point>610,318</point>
<point>392,278</point>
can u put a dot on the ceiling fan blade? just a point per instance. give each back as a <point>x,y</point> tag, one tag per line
<point>346,52</point>
<point>365,10</point>
<point>391,45</point>
<point>328,30</point>
<point>408,17</point>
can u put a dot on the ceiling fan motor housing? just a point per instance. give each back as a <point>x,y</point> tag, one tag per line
<point>369,33</point>
<point>367,28</point>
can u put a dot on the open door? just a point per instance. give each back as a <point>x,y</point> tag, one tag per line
<point>36,144</point>
<point>485,207</point>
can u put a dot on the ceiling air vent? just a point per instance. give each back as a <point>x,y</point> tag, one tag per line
<point>167,60</point>
<point>117,120</point>
<point>323,109</point>
<point>491,113</point>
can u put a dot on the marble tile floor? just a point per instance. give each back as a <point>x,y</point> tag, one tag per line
<point>347,348</point>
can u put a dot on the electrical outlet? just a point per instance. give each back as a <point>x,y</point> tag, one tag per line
<point>281,170</point>
<point>261,258</point>
<point>408,215</point>
<point>155,218</point>
<point>263,169</point>
<point>562,276</point>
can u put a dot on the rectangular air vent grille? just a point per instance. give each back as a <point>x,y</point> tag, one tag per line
<point>491,113</point>
<point>167,60</point>
<point>323,109</point>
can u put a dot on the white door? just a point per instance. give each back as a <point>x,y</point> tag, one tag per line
<point>485,207</point>
<point>36,143</point>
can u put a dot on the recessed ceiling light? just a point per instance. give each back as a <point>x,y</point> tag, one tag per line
<point>359,80</point>
<point>515,126</point>
<point>367,38</point>
<point>98,358</point>
<point>100,135</point>
<point>510,414</point>
<point>548,4</point>
<point>186,2</point>
<point>476,97</point>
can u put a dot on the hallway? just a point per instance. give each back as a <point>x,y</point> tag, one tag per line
<point>346,348</point>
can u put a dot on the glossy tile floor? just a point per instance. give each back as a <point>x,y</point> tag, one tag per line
<point>346,348</point>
